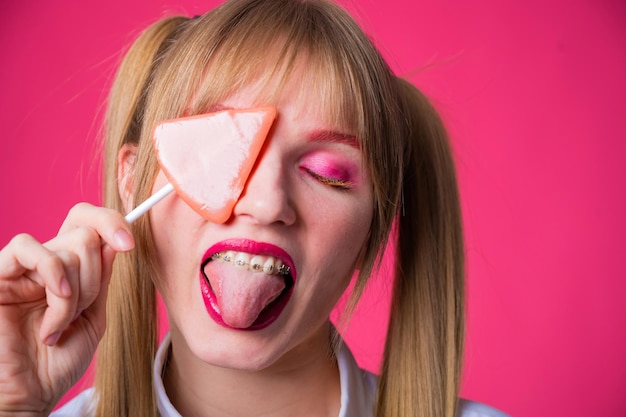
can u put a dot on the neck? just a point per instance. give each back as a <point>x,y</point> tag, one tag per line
<point>310,383</point>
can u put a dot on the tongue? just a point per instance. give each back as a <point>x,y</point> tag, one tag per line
<point>242,294</point>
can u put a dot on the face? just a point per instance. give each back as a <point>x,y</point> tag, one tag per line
<point>307,204</point>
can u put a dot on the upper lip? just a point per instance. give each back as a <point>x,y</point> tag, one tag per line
<point>252,247</point>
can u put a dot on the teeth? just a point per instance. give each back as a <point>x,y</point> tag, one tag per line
<point>268,264</point>
<point>269,267</point>
<point>256,263</point>
<point>228,256</point>
<point>242,260</point>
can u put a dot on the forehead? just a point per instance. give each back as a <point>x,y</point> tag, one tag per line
<point>310,82</point>
<point>298,96</point>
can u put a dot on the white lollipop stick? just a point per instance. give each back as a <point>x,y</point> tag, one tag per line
<point>148,203</point>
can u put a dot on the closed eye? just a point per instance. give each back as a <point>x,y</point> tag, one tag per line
<point>332,182</point>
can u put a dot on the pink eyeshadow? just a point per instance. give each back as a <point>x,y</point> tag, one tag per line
<point>331,167</point>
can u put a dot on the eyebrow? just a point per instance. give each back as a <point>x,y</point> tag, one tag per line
<point>331,136</point>
<point>217,107</point>
<point>319,135</point>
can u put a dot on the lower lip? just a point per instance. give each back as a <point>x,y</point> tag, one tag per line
<point>266,317</point>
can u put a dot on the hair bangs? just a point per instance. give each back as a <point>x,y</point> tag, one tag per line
<point>298,51</point>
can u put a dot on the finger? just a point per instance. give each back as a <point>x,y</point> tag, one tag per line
<point>107,255</point>
<point>60,311</point>
<point>86,244</point>
<point>24,253</point>
<point>109,224</point>
<point>96,313</point>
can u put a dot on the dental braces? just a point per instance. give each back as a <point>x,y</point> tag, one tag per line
<point>269,269</point>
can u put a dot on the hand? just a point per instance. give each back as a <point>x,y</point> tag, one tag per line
<point>53,306</point>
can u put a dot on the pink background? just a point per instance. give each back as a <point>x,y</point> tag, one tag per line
<point>535,98</point>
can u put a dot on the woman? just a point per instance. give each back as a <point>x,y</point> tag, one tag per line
<point>353,150</point>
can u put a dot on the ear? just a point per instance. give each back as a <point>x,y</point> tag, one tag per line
<point>126,158</point>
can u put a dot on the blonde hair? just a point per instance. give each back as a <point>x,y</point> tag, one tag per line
<point>123,379</point>
<point>181,67</point>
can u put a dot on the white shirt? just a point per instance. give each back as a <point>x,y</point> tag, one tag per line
<point>358,392</point>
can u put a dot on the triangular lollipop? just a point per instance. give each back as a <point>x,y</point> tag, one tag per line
<point>208,158</point>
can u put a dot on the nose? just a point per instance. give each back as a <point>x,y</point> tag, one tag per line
<point>265,199</point>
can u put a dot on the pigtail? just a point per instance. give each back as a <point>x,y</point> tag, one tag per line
<point>123,380</point>
<point>424,346</point>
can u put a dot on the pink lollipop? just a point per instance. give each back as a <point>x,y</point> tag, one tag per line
<point>207,158</point>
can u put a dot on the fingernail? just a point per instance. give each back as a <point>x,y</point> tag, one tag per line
<point>123,240</point>
<point>52,339</point>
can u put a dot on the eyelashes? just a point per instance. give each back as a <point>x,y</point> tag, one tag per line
<point>331,182</point>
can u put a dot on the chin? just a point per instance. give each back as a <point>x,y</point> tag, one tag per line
<point>247,359</point>
<point>232,349</point>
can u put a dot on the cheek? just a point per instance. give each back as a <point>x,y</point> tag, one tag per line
<point>160,211</point>
<point>173,223</point>
<point>336,259</point>
<point>337,227</point>
<point>159,182</point>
